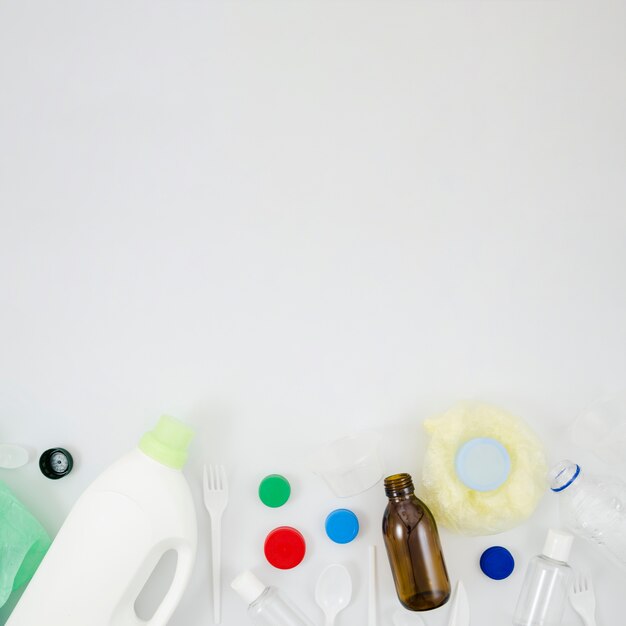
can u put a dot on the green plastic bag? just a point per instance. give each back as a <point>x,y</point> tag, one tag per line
<point>23,544</point>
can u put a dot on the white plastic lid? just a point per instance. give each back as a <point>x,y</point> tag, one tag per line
<point>558,545</point>
<point>12,456</point>
<point>248,586</point>
<point>483,464</point>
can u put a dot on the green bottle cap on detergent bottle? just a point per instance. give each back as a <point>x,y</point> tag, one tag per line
<point>167,443</point>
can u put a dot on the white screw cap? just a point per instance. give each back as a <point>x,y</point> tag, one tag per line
<point>248,586</point>
<point>558,545</point>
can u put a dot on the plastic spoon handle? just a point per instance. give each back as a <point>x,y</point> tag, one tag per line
<point>216,553</point>
<point>371,613</point>
<point>330,620</point>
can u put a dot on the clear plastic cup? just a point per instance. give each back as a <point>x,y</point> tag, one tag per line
<point>350,465</point>
<point>602,429</point>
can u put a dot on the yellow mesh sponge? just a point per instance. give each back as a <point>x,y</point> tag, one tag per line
<point>465,510</point>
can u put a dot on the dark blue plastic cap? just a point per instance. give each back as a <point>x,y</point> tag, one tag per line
<point>342,526</point>
<point>497,563</point>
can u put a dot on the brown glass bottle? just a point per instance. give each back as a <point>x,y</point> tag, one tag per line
<point>413,547</point>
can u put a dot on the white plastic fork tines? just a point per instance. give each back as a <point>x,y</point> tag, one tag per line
<point>215,500</point>
<point>583,599</point>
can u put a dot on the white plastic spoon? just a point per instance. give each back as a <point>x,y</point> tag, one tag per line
<point>404,618</point>
<point>333,591</point>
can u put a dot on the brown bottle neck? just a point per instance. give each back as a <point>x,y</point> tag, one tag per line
<point>399,487</point>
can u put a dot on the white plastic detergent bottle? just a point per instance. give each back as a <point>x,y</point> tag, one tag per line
<point>114,536</point>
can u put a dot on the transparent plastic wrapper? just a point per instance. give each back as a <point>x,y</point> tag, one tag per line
<point>601,428</point>
<point>350,465</point>
<point>23,544</point>
<point>484,469</point>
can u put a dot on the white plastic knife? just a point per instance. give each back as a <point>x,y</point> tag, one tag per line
<point>460,615</point>
<point>371,611</point>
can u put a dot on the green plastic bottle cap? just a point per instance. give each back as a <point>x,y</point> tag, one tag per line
<point>168,442</point>
<point>274,490</point>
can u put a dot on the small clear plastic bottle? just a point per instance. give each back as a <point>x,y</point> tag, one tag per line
<point>544,592</point>
<point>266,606</point>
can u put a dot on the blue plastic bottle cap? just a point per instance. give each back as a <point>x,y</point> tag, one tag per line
<point>483,464</point>
<point>497,563</point>
<point>342,526</point>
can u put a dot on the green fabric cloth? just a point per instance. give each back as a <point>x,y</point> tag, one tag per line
<point>23,544</point>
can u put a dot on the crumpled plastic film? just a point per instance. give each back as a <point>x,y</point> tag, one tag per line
<point>462,509</point>
<point>23,544</point>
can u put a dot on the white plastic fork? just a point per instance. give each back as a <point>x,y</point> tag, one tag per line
<point>215,500</point>
<point>583,599</point>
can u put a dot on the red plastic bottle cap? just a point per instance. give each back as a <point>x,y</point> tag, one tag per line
<point>285,547</point>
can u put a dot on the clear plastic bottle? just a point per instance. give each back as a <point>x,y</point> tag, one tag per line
<point>544,592</point>
<point>592,508</point>
<point>266,606</point>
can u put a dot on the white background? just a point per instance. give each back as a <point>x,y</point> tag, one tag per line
<point>286,221</point>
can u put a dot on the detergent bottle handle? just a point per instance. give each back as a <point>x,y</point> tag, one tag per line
<point>182,574</point>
